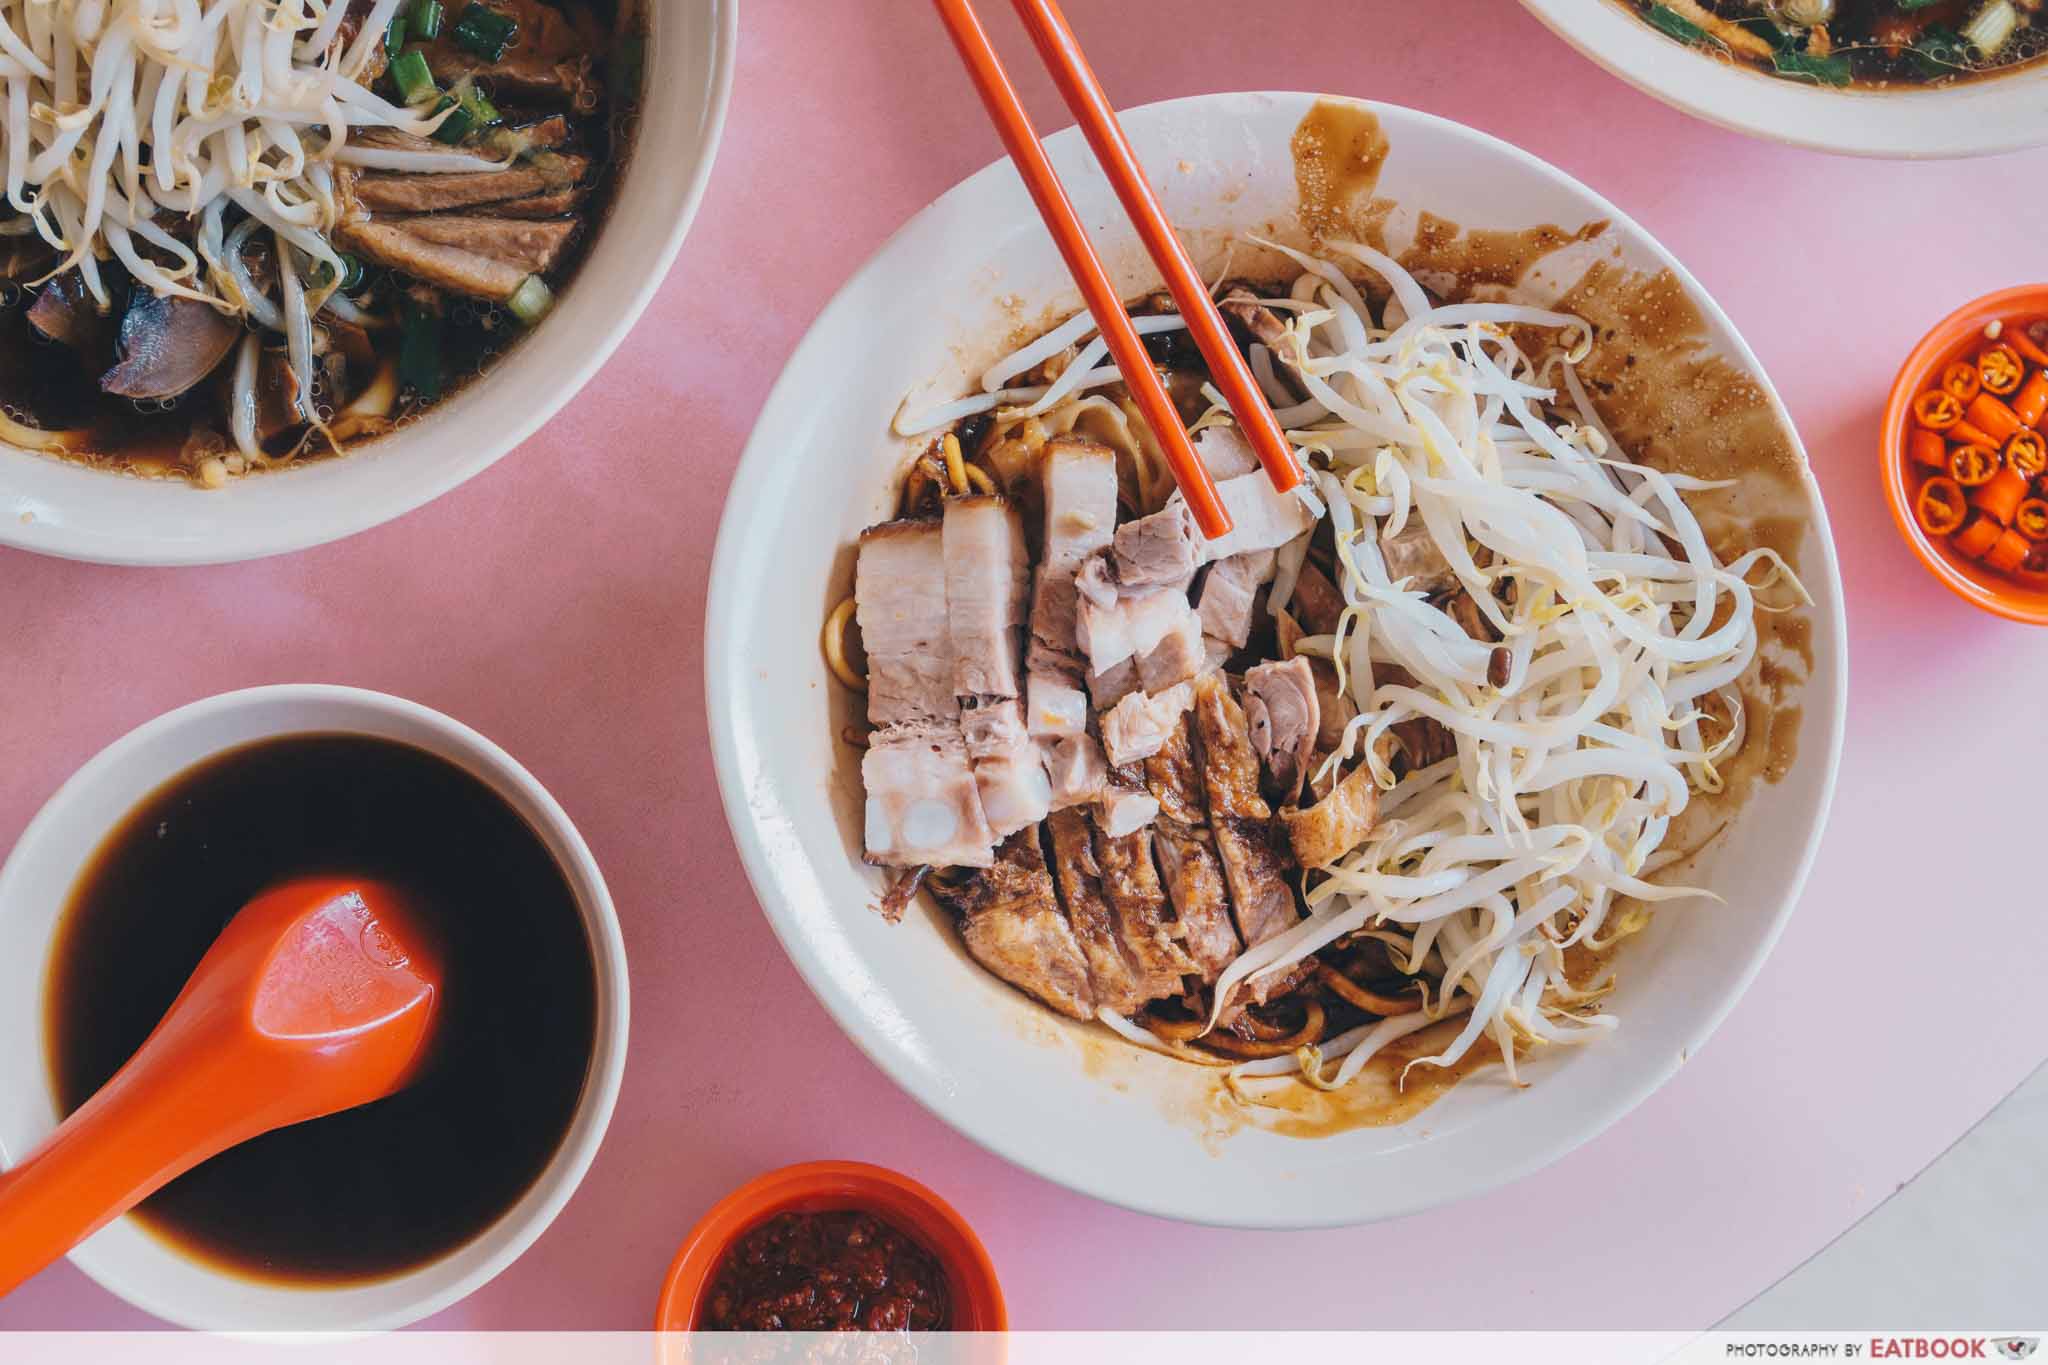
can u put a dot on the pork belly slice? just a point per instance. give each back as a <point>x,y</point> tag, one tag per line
<point>1155,631</point>
<point>900,602</point>
<point>1260,517</point>
<point>1056,705</point>
<point>1139,725</point>
<point>988,572</point>
<point>1010,920</point>
<point>1283,717</point>
<point>1188,865</point>
<point>1112,976</point>
<point>1079,484</point>
<point>922,802</point>
<point>1074,769</point>
<point>1252,850</point>
<point>1009,773</point>
<point>1338,823</point>
<point>1144,919</point>
<point>1228,594</point>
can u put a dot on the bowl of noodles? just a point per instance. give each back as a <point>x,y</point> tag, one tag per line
<point>1373,858</point>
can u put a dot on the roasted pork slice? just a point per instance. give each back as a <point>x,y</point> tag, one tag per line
<point>1010,920</point>
<point>1112,976</point>
<point>1144,918</point>
<point>1255,862</point>
<point>1157,550</point>
<point>922,802</point>
<point>1118,681</point>
<point>988,571</point>
<point>432,193</point>
<point>1414,556</point>
<point>532,246</point>
<point>1138,726</point>
<point>1261,518</point>
<point>1188,865</point>
<point>899,591</point>
<point>1282,716</point>
<point>449,267</point>
<point>1074,769</point>
<point>1338,823</point>
<point>1228,594</point>
<point>1009,773</point>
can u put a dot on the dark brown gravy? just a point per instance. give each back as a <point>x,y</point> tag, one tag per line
<point>378,1190</point>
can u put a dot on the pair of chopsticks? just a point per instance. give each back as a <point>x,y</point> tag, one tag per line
<point>1084,96</point>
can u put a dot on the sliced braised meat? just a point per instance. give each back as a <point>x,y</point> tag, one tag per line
<point>531,246</point>
<point>988,571</point>
<point>1229,593</point>
<point>922,804</point>
<point>1074,768</point>
<point>553,204</point>
<point>1138,726</point>
<point>1338,823</point>
<point>1011,922</point>
<point>1317,603</point>
<point>1125,807</point>
<point>65,312</point>
<point>1111,974</point>
<point>899,591</point>
<point>1079,483</point>
<point>545,62</point>
<point>433,193</point>
<point>1159,550</point>
<point>1255,863</point>
<point>546,133</point>
<point>449,267</point>
<point>1260,517</point>
<point>1262,322</point>
<point>1413,555</point>
<point>1282,717</point>
<point>1225,452</point>
<point>167,345</point>
<point>1144,919</point>
<point>1188,865</point>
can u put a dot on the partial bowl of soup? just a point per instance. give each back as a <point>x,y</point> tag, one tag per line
<point>1372,859</point>
<point>1889,78</point>
<point>265,282</point>
<point>373,1217</point>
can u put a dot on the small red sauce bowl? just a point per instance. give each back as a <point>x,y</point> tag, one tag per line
<point>1955,337</point>
<point>827,1187</point>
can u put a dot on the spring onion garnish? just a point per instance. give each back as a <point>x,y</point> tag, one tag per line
<point>419,349</point>
<point>483,32</point>
<point>1829,70</point>
<point>1992,27</point>
<point>425,19</point>
<point>394,37</point>
<point>1670,21</point>
<point>409,73</point>
<point>531,300</point>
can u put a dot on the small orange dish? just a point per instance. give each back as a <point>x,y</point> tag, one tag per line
<point>832,1187</point>
<point>1987,553</point>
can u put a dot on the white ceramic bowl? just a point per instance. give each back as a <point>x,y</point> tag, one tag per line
<point>1997,114</point>
<point>1065,1100</point>
<point>37,880</point>
<point>58,508</point>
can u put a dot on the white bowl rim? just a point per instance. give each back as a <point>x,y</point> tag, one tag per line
<point>1901,124</point>
<point>764,458</point>
<point>345,519</point>
<point>570,1162</point>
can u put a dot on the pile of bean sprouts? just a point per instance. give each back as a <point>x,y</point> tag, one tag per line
<point>1627,636</point>
<point>116,110</point>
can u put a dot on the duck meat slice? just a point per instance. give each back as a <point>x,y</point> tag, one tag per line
<point>168,344</point>
<point>1111,974</point>
<point>66,313</point>
<point>922,803</point>
<point>1229,592</point>
<point>396,192</point>
<point>1144,922</point>
<point>1138,725</point>
<point>446,267</point>
<point>1282,716</point>
<point>900,596</point>
<point>532,246</point>
<point>547,60</point>
<point>1316,601</point>
<point>1188,865</point>
<point>1010,920</point>
<point>1252,849</point>
<point>553,204</point>
<point>1338,823</point>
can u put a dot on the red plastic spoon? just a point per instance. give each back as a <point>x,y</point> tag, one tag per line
<point>319,996</point>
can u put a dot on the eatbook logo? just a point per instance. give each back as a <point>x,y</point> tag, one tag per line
<point>2018,1348</point>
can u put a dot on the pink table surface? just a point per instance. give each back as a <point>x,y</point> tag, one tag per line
<point>556,603</point>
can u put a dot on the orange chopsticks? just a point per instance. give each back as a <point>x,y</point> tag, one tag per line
<point>1205,324</point>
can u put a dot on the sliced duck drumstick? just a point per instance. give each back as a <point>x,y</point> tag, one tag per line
<point>1111,973</point>
<point>1338,823</point>
<point>1255,860</point>
<point>436,192</point>
<point>1188,865</point>
<point>1011,923</point>
<point>1144,919</point>
<point>531,246</point>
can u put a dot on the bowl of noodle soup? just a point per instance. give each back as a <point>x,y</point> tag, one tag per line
<point>1408,215</point>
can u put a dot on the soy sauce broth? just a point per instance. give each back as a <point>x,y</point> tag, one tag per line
<point>379,1190</point>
